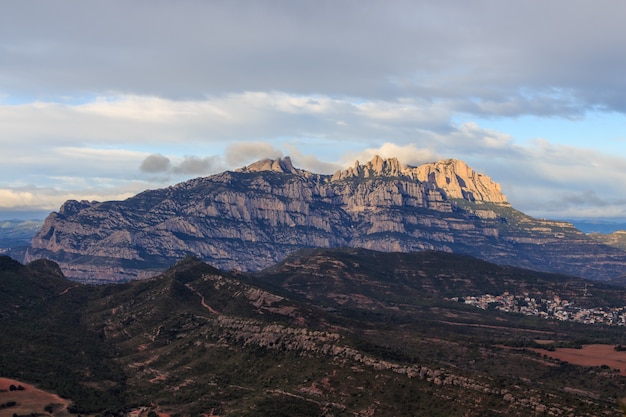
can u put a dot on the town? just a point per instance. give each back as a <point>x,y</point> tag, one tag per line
<point>555,308</point>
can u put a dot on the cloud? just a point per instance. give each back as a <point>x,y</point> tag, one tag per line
<point>16,198</point>
<point>321,134</point>
<point>407,154</point>
<point>452,50</point>
<point>310,162</point>
<point>584,198</point>
<point>155,163</point>
<point>39,198</point>
<point>192,88</point>
<point>200,124</point>
<point>188,165</point>
<point>242,153</point>
<point>197,166</point>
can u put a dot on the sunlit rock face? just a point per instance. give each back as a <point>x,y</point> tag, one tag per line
<point>253,217</point>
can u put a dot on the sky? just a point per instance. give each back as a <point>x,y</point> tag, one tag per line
<point>102,100</point>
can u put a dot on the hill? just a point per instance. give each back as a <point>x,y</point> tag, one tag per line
<point>327,332</point>
<point>252,218</point>
<point>616,239</point>
<point>44,341</point>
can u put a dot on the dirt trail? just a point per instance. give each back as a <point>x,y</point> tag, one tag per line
<point>202,301</point>
<point>65,291</point>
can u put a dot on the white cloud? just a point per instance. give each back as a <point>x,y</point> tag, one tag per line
<point>406,154</point>
<point>51,199</point>
<point>243,153</point>
<point>202,137</point>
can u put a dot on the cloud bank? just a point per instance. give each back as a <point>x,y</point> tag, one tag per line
<point>100,101</point>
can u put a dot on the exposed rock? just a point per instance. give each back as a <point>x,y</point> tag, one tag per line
<point>452,176</point>
<point>256,216</point>
<point>283,165</point>
<point>460,181</point>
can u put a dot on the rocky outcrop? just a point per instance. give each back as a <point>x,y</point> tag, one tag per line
<point>256,216</point>
<point>460,181</point>
<point>282,165</point>
<point>453,177</point>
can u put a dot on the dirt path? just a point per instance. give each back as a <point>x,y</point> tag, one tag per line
<point>67,289</point>
<point>202,301</point>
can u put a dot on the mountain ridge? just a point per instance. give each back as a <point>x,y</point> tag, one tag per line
<point>255,216</point>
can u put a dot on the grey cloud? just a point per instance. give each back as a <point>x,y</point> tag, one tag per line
<point>443,50</point>
<point>584,198</point>
<point>310,162</point>
<point>198,166</point>
<point>155,163</point>
<point>189,165</point>
<point>242,153</point>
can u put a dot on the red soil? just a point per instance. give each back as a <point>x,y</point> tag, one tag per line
<point>30,400</point>
<point>590,355</point>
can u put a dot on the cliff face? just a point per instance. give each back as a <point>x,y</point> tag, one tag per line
<point>256,216</point>
<point>452,177</point>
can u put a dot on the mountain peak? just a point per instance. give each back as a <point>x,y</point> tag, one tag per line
<point>453,176</point>
<point>281,165</point>
<point>458,180</point>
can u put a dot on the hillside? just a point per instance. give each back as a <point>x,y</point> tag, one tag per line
<point>252,218</point>
<point>44,342</point>
<point>616,239</point>
<point>329,332</point>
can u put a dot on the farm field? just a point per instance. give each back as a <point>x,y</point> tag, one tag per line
<point>589,355</point>
<point>29,400</point>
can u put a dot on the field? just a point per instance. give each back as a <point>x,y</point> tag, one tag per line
<point>590,355</point>
<point>30,400</point>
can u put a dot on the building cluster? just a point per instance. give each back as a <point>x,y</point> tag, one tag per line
<point>555,308</point>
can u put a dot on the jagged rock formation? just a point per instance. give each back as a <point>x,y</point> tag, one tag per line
<point>453,177</point>
<point>255,216</point>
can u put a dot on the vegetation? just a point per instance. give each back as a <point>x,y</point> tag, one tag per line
<point>326,333</point>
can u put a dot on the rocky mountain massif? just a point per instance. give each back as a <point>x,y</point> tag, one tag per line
<point>251,218</point>
<point>327,332</point>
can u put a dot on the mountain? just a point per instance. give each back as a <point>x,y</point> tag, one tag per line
<point>616,239</point>
<point>326,332</point>
<point>251,218</point>
<point>599,226</point>
<point>16,235</point>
